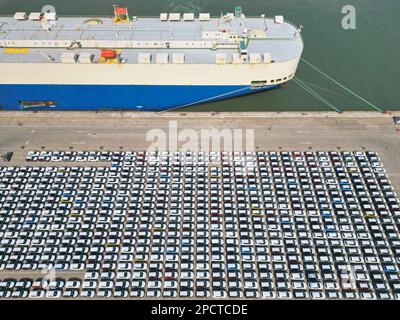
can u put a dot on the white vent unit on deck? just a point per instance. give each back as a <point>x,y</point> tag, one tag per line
<point>220,58</point>
<point>204,17</point>
<point>69,57</point>
<point>164,16</point>
<point>162,58</point>
<point>279,19</point>
<point>255,58</point>
<point>35,16</point>
<point>144,58</point>
<point>20,16</point>
<point>86,57</point>
<point>237,58</point>
<point>178,58</point>
<point>188,16</point>
<point>50,16</point>
<point>267,57</point>
<point>174,17</point>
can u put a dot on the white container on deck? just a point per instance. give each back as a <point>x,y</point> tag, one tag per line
<point>279,19</point>
<point>86,57</point>
<point>267,57</point>
<point>255,58</point>
<point>35,16</point>
<point>229,17</point>
<point>164,16</point>
<point>204,17</point>
<point>178,58</point>
<point>144,58</point>
<point>174,17</point>
<point>237,58</point>
<point>69,57</point>
<point>220,58</point>
<point>20,16</point>
<point>188,16</point>
<point>162,58</point>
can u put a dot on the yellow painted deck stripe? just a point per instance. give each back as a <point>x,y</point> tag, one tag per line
<point>16,50</point>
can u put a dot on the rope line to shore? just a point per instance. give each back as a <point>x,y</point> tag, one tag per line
<point>315,94</point>
<point>331,91</point>
<point>340,85</point>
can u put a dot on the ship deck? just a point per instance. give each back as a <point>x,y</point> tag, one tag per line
<point>283,41</point>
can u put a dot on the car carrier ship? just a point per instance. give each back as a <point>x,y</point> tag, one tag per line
<point>123,62</point>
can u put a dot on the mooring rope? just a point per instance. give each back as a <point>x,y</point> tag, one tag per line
<point>302,85</point>
<point>330,91</point>
<point>340,85</point>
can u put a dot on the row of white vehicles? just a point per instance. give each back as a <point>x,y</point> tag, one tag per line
<point>219,225</point>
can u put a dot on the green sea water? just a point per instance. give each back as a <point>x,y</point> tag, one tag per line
<point>366,60</point>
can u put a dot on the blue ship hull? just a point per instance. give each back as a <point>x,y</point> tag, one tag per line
<point>115,97</point>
